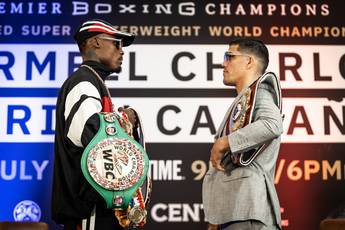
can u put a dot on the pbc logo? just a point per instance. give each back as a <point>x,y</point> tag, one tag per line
<point>27,210</point>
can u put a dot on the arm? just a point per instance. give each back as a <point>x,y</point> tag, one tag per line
<point>267,123</point>
<point>81,108</point>
<point>83,102</point>
<point>267,126</point>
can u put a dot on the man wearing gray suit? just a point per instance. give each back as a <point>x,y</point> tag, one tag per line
<point>238,189</point>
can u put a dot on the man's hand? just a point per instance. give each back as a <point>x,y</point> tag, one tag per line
<point>220,147</point>
<point>212,227</point>
<point>132,116</point>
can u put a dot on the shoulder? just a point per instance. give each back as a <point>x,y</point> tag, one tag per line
<point>81,75</point>
<point>265,89</point>
<point>268,85</point>
<point>269,81</point>
<point>80,82</point>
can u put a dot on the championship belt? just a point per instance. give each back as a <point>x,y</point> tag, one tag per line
<point>116,166</point>
<point>242,115</point>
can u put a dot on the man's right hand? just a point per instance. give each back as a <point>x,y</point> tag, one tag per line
<point>219,148</point>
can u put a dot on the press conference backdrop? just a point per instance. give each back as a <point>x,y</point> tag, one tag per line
<point>172,75</point>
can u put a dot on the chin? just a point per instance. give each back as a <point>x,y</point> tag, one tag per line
<point>117,69</point>
<point>226,82</point>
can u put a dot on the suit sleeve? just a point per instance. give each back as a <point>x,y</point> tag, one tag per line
<point>267,123</point>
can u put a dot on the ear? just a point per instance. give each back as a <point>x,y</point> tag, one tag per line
<point>93,42</point>
<point>251,62</point>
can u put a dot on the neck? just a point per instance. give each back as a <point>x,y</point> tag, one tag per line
<point>102,70</point>
<point>246,81</point>
<point>90,55</point>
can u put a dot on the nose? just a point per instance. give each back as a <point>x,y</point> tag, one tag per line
<point>224,64</point>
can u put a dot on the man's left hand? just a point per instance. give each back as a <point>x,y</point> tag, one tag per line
<point>220,147</point>
<point>131,115</point>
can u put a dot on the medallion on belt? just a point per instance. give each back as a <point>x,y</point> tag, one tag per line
<point>239,114</point>
<point>109,117</point>
<point>115,163</point>
<point>110,129</point>
<point>137,214</point>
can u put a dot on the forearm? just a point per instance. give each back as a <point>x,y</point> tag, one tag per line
<point>246,138</point>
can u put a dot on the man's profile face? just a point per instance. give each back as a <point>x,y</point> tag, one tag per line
<point>234,65</point>
<point>110,52</point>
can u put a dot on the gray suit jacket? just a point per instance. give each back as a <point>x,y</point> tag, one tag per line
<point>248,192</point>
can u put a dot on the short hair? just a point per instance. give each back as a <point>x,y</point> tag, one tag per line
<point>255,47</point>
<point>82,47</point>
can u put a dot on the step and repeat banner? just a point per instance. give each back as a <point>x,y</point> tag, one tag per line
<point>173,76</point>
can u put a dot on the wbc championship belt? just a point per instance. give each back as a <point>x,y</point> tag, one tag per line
<point>116,166</point>
<point>242,114</point>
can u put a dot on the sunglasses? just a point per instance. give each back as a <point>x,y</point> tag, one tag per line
<point>117,42</point>
<point>228,56</point>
